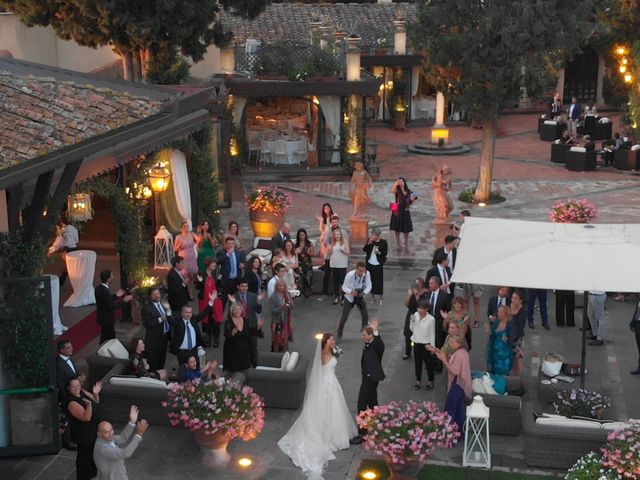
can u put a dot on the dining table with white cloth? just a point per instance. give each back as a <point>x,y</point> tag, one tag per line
<point>291,149</point>
<point>81,265</point>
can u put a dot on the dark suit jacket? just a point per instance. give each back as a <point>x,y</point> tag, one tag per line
<point>371,361</point>
<point>577,111</point>
<point>224,264</point>
<point>64,372</point>
<point>154,329</point>
<point>278,242</point>
<point>633,324</point>
<point>492,307</point>
<point>253,308</point>
<point>454,255</point>
<point>177,329</point>
<point>177,290</point>
<point>106,304</point>
<point>435,272</point>
<point>443,302</point>
<point>382,246</point>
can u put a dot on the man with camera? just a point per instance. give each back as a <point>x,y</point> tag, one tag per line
<point>357,284</point>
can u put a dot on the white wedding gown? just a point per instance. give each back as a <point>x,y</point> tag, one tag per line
<point>324,425</point>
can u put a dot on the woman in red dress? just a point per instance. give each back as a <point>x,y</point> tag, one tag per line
<point>206,284</point>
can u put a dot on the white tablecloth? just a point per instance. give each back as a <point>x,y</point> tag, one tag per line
<point>81,265</point>
<point>58,328</point>
<point>289,147</point>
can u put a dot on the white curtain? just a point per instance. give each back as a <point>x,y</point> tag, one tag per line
<point>330,106</point>
<point>177,206</point>
<point>238,108</point>
<point>415,80</point>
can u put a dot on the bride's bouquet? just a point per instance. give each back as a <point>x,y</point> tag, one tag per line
<point>337,351</point>
<point>405,432</point>
<point>216,406</point>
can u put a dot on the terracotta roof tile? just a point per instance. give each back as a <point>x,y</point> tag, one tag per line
<point>40,114</point>
<point>290,21</point>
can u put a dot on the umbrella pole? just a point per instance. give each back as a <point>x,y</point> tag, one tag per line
<point>585,301</point>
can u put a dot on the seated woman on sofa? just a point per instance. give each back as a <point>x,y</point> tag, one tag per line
<point>138,365</point>
<point>190,371</point>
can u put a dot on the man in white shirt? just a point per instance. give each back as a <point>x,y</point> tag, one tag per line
<point>111,450</point>
<point>279,271</point>
<point>357,284</point>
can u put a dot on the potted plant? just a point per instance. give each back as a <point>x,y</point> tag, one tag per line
<point>381,46</point>
<point>407,433</point>
<point>573,211</point>
<point>216,412</point>
<point>581,403</point>
<point>590,467</point>
<point>267,208</point>
<point>620,453</point>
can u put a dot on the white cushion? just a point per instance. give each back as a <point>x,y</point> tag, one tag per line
<point>293,361</point>
<point>483,385</point>
<point>261,367</point>
<point>552,415</point>
<point>604,120</point>
<point>263,253</point>
<point>568,422</point>
<point>103,351</point>
<point>612,426</point>
<point>550,122</point>
<point>143,382</point>
<point>635,147</point>
<point>117,350</point>
<point>284,361</point>
<point>557,141</point>
<point>578,149</point>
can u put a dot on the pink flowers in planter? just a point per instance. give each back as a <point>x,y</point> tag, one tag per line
<point>216,406</point>
<point>621,452</point>
<point>405,432</point>
<point>573,211</point>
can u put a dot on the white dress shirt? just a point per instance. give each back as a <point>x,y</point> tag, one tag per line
<point>185,343</point>
<point>444,276</point>
<point>424,329</point>
<point>69,362</point>
<point>354,282</point>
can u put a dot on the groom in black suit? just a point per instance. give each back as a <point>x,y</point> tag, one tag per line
<point>372,373</point>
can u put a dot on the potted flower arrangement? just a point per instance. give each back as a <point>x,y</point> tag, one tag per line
<point>573,211</point>
<point>580,402</point>
<point>620,453</point>
<point>267,208</point>
<point>590,467</point>
<point>381,45</point>
<point>216,412</point>
<point>407,433</point>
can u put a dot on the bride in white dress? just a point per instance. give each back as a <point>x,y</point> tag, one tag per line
<point>325,424</point>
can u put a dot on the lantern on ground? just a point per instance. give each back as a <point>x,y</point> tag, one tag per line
<point>159,177</point>
<point>477,452</point>
<point>163,249</point>
<point>79,207</point>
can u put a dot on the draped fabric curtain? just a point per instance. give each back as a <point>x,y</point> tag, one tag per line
<point>238,107</point>
<point>330,106</point>
<point>176,204</point>
<point>415,81</point>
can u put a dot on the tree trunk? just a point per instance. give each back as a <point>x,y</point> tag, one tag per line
<point>483,190</point>
<point>136,62</point>
<point>127,67</point>
<point>144,60</point>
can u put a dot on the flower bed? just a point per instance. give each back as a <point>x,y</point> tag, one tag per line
<point>216,406</point>
<point>573,211</point>
<point>582,403</point>
<point>405,432</point>
<point>621,453</point>
<point>590,467</point>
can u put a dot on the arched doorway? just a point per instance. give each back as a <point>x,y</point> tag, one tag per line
<point>581,77</point>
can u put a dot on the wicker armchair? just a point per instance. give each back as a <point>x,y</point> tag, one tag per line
<point>277,388</point>
<point>506,415</point>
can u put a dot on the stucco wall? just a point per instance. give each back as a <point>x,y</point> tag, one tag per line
<point>209,65</point>
<point>41,45</point>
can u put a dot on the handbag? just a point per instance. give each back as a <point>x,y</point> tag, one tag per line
<point>394,207</point>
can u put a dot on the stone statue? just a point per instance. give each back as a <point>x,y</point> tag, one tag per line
<point>359,189</point>
<point>441,184</point>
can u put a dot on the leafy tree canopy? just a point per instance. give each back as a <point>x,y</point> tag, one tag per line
<point>489,50</point>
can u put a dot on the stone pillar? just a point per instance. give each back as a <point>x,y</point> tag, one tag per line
<point>314,32</point>
<point>353,58</point>
<point>400,37</point>
<point>439,132</point>
<point>325,35</point>
<point>359,231</point>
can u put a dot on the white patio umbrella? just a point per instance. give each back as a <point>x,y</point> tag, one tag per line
<point>548,255</point>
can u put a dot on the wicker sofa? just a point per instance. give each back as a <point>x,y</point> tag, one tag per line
<point>506,415</point>
<point>554,446</point>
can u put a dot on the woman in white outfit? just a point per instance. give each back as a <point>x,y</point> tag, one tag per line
<point>325,424</point>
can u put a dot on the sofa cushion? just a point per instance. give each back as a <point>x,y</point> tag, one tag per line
<point>117,350</point>
<point>578,149</point>
<point>635,147</point>
<point>550,122</point>
<point>271,369</point>
<point>284,361</point>
<point>612,426</point>
<point>604,120</point>
<point>568,422</point>
<point>143,382</point>
<point>293,361</point>
<point>103,350</point>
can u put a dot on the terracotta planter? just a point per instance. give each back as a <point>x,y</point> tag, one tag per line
<point>214,448</point>
<point>406,471</point>
<point>399,121</point>
<point>265,224</point>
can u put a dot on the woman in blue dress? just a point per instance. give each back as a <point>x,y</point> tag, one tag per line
<point>501,343</point>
